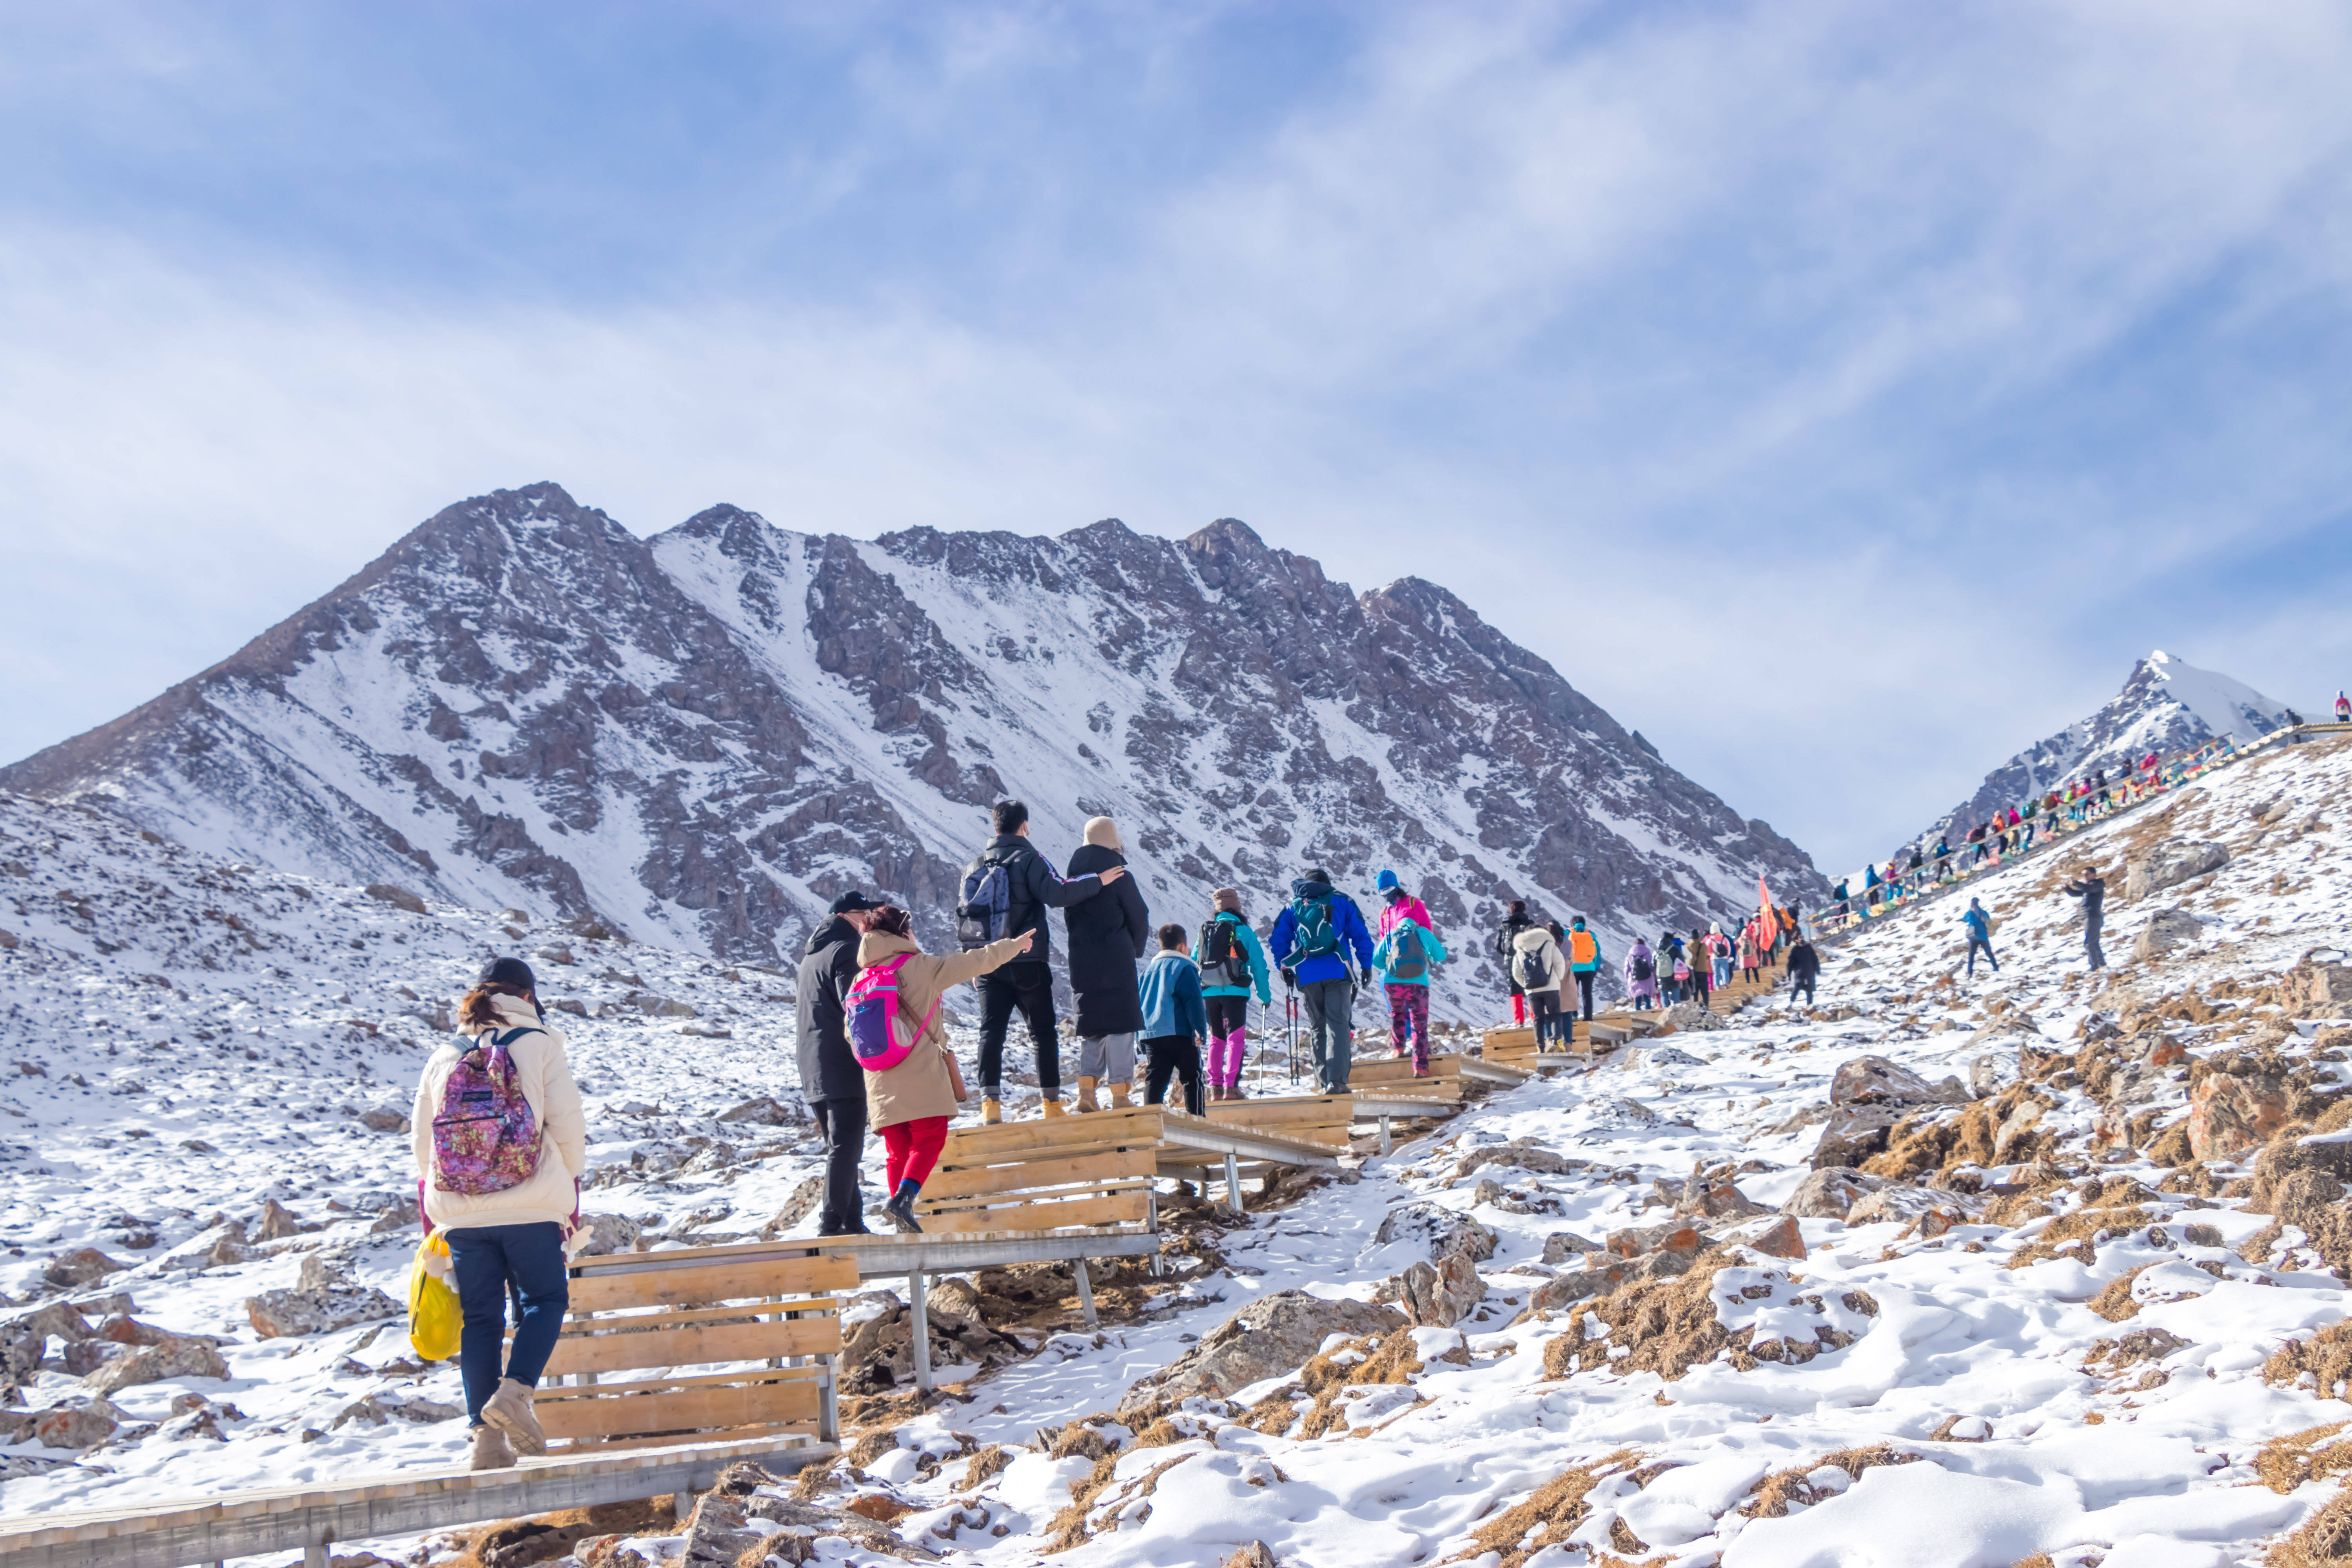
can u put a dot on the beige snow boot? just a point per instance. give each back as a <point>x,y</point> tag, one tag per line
<point>510,1411</point>
<point>991,1111</point>
<point>1053,1108</point>
<point>1086,1095</point>
<point>1119,1093</point>
<point>491,1450</point>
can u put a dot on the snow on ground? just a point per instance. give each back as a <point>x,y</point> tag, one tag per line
<point>1973,1372</point>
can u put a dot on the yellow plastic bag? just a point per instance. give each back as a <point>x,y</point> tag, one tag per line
<point>436,1320</point>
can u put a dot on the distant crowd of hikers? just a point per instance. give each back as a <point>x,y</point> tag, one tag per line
<point>1916,869</point>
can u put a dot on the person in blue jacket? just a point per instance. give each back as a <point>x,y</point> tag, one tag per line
<point>1979,925</point>
<point>1312,941</point>
<point>1232,963</point>
<point>1404,957</point>
<point>1174,1019</point>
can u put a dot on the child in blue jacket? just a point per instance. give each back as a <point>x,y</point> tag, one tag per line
<point>1174,1019</point>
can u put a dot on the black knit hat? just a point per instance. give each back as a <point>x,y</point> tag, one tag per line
<point>1318,874</point>
<point>512,972</point>
<point>852,903</point>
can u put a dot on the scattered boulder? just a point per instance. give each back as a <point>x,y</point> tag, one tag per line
<point>1275,1334</point>
<point>653,1006</point>
<point>1874,1080</point>
<point>289,1314</point>
<point>278,1222</point>
<point>1902,1202</point>
<point>82,1265</point>
<point>1713,1194</point>
<point>22,1348</point>
<point>177,1356</point>
<point>1525,1153</point>
<point>609,1233</point>
<point>1830,1192</point>
<point>82,1357</point>
<point>761,1112</point>
<point>880,1351</point>
<point>806,1199</point>
<point>558,954</point>
<point>1853,1133</point>
<point>1440,1294</point>
<point>2319,986</point>
<point>397,897</point>
<point>2169,863</point>
<point>2165,930</point>
<point>1438,1229</point>
<point>76,1424</point>
<point>382,1119</point>
<point>2229,1112</point>
<point>1684,1016</point>
<point>1783,1238</point>
<point>377,1409</point>
<point>398,1215</point>
<point>1562,1245</point>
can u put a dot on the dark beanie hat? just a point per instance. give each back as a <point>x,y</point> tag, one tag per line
<point>1317,874</point>
<point>853,903</point>
<point>512,972</point>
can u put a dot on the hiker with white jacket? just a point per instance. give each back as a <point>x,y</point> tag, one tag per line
<point>500,1144</point>
<point>1540,966</point>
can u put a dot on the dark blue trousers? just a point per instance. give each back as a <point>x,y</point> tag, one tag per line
<point>490,1262</point>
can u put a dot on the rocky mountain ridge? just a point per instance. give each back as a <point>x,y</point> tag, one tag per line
<point>702,738</point>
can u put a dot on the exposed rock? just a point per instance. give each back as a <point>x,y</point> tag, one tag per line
<point>1874,1080</point>
<point>2231,1111</point>
<point>1853,1133</point>
<point>1438,1229</point>
<point>2165,930</point>
<point>1524,1153</point>
<point>1712,1195</point>
<point>283,1314</point>
<point>880,1351</point>
<point>377,1409</point>
<point>82,1265</point>
<point>399,1214</point>
<point>2319,986</point>
<point>1782,1238</point>
<point>76,1424</point>
<point>1830,1192</point>
<point>806,1199</point>
<point>609,1233</point>
<point>382,1119</point>
<point>1684,1016</point>
<point>278,1222</point>
<point>558,954</point>
<point>398,897</point>
<point>178,1355</point>
<point>1275,1334</point>
<point>761,1112</point>
<point>83,1357</point>
<point>1440,1294</point>
<point>1935,1209</point>
<point>2169,863</point>
<point>22,1347</point>
<point>1563,1245</point>
<point>653,1006</point>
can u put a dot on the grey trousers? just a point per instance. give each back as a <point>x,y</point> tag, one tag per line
<point>1331,1029</point>
<point>1111,1057</point>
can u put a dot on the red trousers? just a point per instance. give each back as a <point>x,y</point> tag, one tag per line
<point>912,1148</point>
<point>1519,1007</point>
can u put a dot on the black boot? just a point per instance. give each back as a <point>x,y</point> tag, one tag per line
<point>901,1210</point>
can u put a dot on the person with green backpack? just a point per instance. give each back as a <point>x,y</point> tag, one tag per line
<point>1232,963</point>
<point>1312,941</point>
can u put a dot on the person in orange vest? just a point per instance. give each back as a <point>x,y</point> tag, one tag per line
<point>1584,960</point>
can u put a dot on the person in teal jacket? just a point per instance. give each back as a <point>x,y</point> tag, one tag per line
<point>1174,1019</point>
<point>1404,957</point>
<point>1226,982</point>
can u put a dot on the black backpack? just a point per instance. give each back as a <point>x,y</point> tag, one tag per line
<point>1644,969</point>
<point>1224,959</point>
<point>1528,968</point>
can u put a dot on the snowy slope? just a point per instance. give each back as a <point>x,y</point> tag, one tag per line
<point>2166,705</point>
<point>704,737</point>
<point>1979,1374</point>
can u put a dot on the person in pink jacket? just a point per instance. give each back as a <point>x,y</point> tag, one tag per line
<point>1397,906</point>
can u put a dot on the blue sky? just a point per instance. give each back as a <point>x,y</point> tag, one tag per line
<point>1842,394</point>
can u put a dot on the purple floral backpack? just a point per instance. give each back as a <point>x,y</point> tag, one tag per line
<point>486,1137</point>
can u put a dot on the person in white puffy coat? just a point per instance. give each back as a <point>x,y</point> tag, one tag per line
<point>511,1240</point>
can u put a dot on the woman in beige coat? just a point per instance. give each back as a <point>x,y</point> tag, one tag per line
<point>911,1104</point>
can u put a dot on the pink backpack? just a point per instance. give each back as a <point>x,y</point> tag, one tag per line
<point>485,1136</point>
<point>879,1036</point>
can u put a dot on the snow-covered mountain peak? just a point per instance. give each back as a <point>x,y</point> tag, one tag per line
<point>702,738</point>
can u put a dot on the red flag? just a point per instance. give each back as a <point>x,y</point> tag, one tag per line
<point>1764,896</point>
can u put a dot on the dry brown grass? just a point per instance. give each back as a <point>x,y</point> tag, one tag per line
<point>2325,1541</point>
<point>1069,1526</point>
<point>1328,1376</point>
<point>1771,1496</point>
<point>2115,1303</point>
<point>987,1464</point>
<point>2324,1357</point>
<point>1548,1517</point>
<point>2079,1227</point>
<point>2285,1463</point>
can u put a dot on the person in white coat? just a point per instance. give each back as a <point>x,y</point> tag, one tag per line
<point>508,1208</point>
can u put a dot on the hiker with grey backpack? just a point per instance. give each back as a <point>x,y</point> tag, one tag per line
<point>1408,950</point>
<point>1312,941</point>
<point>501,1143</point>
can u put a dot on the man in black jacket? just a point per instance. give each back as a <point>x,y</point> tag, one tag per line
<point>1514,922</point>
<point>1027,982</point>
<point>831,1079</point>
<point>2092,889</point>
<point>1804,969</point>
